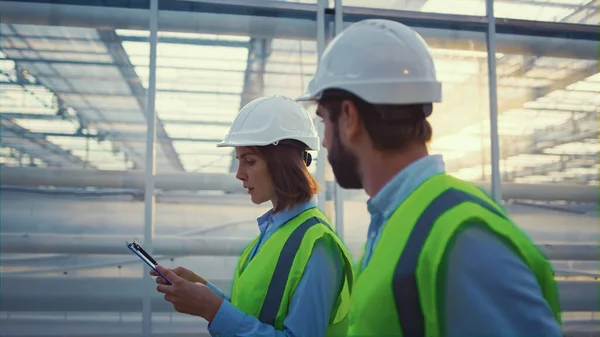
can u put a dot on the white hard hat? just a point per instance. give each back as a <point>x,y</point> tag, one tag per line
<point>380,61</point>
<point>268,120</point>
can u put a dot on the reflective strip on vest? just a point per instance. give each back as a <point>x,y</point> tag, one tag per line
<point>406,294</point>
<point>272,302</point>
<point>265,286</point>
<point>398,292</point>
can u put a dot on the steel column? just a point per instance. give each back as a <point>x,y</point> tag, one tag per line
<point>150,169</point>
<point>321,158</point>
<point>338,193</point>
<point>495,144</point>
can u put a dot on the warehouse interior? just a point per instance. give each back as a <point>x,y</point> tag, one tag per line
<point>81,82</point>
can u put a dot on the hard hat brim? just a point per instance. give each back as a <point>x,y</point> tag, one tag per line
<point>307,98</point>
<point>386,92</point>
<point>311,144</point>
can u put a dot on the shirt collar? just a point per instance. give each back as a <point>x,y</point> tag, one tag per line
<point>280,218</point>
<point>403,183</point>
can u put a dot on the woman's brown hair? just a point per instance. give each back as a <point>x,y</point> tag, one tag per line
<point>289,173</point>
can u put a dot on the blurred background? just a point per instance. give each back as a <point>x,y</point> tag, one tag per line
<point>81,82</point>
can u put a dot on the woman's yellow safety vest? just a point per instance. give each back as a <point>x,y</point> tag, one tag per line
<point>266,285</point>
<point>400,291</point>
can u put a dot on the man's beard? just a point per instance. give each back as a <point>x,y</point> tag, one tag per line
<point>344,164</point>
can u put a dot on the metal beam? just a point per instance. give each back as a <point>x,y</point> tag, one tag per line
<point>181,57</point>
<point>302,11</point>
<point>124,294</point>
<point>584,13</point>
<point>117,137</point>
<point>153,127</point>
<point>132,154</point>
<point>546,169</point>
<point>574,77</point>
<point>259,51</point>
<point>320,171</point>
<point>17,115</point>
<point>521,191</point>
<point>468,115</point>
<point>567,132</point>
<point>25,134</point>
<point>535,143</point>
<point>139,95</point>
<point>493,101</point>
<point>514,27</point>
<point>258,54</point>
<point>98,325</point>
<point>440,30</point>
<point>168,325</point>
<point>338,193</point>
<point>119,55</point>
<point>550,4</point>
<point>28,176</point>
<point>109,64</point>
<point>143,39</point>
<point>175,246</point>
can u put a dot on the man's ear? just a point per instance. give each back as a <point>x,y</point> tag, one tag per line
<point>350,122</point>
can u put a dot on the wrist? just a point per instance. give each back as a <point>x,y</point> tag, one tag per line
<point>213,306</point>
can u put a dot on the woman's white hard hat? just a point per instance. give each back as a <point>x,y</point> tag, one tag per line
<point>269,120</point>
<point>380,61</point>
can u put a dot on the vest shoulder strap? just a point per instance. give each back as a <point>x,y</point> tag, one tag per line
<point>276,290</point>
<point>406,292</point>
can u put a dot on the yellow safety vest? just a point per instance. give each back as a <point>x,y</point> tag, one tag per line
<point>399,292</point>
<point>266,285</point>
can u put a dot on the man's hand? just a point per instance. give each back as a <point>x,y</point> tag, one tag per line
<point>189,297</point>
<point>182,272</point>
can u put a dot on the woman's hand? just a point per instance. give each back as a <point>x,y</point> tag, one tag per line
<point>193,298</point>
<point>182,272</point>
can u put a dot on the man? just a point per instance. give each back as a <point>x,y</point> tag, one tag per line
<point>442,258</point>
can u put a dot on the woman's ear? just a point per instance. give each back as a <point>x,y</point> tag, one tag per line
<point>307,158</point>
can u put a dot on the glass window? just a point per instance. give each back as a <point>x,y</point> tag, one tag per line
<point>73,129</point>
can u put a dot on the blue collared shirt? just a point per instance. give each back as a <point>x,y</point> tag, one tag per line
<point>489,291</point>
<point>314,297</point>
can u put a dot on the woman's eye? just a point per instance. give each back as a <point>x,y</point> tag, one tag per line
<point>250,162</point>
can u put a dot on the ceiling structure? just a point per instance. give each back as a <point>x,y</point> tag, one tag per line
<point>76,97</point>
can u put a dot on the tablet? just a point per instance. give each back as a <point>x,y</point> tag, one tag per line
<point>141,253</point>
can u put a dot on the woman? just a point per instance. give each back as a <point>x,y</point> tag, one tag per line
<point>294,279</point>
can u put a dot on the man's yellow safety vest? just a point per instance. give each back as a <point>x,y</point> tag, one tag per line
<point>266,285</point>
<point>399,292</point>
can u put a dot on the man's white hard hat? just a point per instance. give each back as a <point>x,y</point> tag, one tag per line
<point>269,120</point>
<point>380,61</point>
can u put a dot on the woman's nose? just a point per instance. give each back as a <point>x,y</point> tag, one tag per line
<point>240,175</point>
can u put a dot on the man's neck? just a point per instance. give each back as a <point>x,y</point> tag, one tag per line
<point>381,167</point>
